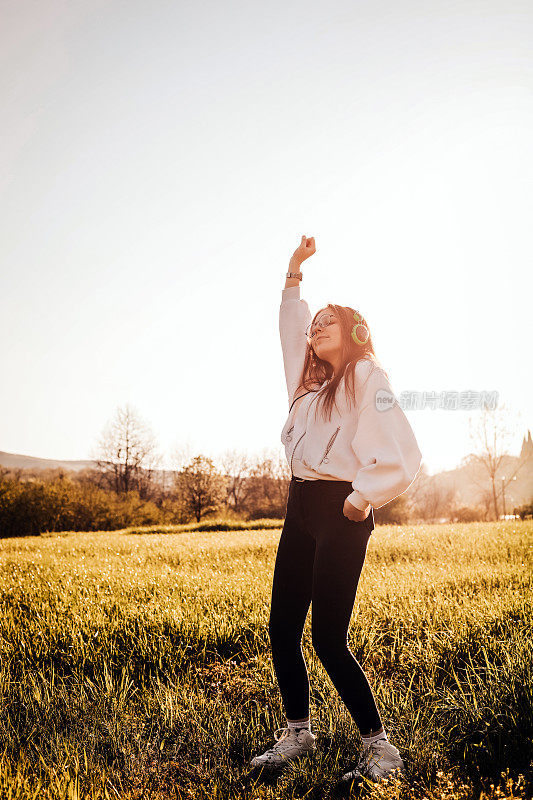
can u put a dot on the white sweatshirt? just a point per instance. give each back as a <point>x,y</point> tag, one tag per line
<point>370,443</point>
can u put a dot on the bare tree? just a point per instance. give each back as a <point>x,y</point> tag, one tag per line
<point>486,501</point>
<point>200,486</point>
<point>126,453</point>
<point>428,498</point>
<point>436,500</point>
<point>181,455</point>
<point>269,483</point>
<point>236,467</point>
<point>491,435</point>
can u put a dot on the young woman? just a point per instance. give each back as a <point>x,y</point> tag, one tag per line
<point>351,449</point>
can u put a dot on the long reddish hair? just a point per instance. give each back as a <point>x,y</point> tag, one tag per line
<point>316,370</point>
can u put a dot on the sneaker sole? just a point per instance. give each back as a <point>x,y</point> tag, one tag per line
<point>396,774</point>
<point>280,764</point>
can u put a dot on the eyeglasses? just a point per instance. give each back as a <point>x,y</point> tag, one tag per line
<point>324,320</point>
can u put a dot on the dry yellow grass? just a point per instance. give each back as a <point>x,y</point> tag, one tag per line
<point>138,664</point>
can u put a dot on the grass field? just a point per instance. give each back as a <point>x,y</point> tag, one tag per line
<point>138,665</point>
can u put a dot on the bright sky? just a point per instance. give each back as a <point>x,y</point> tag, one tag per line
<point>160,162</point>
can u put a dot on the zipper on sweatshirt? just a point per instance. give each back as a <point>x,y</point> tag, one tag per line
<point>295,446</point>
<point>289,432</point>
<point>328,448</point>
<point>303,434</point>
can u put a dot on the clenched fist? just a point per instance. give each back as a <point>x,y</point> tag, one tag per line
<point>303,251</point>
<point>355,514</point>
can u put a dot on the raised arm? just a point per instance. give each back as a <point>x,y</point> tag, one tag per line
<point>294,317</point>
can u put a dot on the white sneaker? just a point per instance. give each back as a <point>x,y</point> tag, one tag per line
<point>290,744</point>
<point>379,760</point>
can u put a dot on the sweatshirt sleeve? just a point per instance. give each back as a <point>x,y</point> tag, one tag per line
<point>384,441</point>
<point>294,317</point>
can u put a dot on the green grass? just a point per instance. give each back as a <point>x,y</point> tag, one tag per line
<point>138,664</point>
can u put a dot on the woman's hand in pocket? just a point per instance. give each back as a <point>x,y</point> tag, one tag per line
<point>355,514</point>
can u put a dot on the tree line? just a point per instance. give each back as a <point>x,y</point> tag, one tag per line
<point>127,487</point>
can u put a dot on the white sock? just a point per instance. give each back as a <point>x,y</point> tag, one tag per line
<point>375,738</point>
<point>295,725</point>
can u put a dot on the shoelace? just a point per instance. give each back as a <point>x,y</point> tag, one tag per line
<point>369,752</point>
<point>370,757</point>
<point>282,745</point>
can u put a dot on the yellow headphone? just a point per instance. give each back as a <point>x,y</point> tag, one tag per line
<point>360,332</point>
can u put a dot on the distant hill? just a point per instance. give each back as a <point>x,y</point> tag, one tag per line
<point>15,461</point>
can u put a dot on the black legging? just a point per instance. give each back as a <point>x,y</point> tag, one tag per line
<point>319,559</point>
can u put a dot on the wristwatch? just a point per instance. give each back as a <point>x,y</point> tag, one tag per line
<point>295,275</point>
